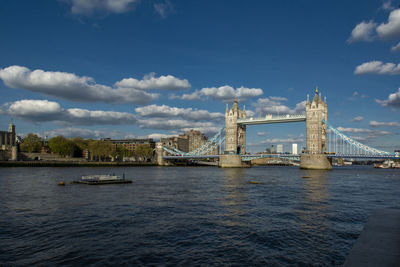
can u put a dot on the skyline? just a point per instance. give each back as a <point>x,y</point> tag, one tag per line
<point>131,68</point>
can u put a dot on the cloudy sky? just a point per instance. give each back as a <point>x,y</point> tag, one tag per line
<point>137,68</point>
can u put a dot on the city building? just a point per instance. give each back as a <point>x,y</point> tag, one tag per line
<point>195,139</point>
<point>270,149</point>
<point>131,144</point>
<point>294,149</point>
<point>8,139</point>
<point>279,148</point>
<point>188,141</point>
<point>176,142</point>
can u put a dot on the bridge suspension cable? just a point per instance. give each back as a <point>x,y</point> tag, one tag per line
<point>341,144</point>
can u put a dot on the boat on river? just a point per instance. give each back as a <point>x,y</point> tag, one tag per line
<point>387,164</point>
<point>99,179</point>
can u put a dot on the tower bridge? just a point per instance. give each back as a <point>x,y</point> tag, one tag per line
<point>323,141</point>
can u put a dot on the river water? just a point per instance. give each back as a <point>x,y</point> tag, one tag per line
<point>186,216</point>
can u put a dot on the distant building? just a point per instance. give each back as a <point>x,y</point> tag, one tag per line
<point>176,142</point>
<point>294,149</point>
<point>188,141</point>
<point>271,149</point>
<point>195,139</point>
<point>279,148</point>
<point>8,139</point>
<point>131,144</point>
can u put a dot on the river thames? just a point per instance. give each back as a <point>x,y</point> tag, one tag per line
<point>189,215</point>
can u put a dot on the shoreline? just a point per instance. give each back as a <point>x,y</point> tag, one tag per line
<point>73,164</point>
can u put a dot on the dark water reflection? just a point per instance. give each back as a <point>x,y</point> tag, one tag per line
<point>189,216</point>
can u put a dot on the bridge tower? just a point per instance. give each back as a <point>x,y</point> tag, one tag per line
<point>314,157</point>
<point>235,137</point>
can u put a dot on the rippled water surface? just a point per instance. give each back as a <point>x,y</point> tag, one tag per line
<point>189,216</point>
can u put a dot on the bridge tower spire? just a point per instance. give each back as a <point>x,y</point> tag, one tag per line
<point>314,157</point>
<point>235,137</point>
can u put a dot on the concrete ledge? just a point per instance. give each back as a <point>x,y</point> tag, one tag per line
<point>379,242</point>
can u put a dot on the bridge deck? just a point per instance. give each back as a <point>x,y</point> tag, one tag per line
<point>273,119</point>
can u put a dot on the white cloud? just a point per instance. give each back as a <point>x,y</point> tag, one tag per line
<point>88,117</point>
<point>369,31</point>
<point>359,138</point>
<point>44,110</point>
<point>395,48</point>
<point>392,101</point>
<point>263,133</point>
<point>186,113</point>
<point>84,133</point>
<point>387,5</point>
<point>388,124</point>
<point>356,119</point>
<point>158,136</point>
<point>149,82</point>
<point>193,96</point>
<point>35,110</point>
<point>269,106</point>
<point>364,31</point>
<point>250,113</point>
<point>224,93</point>
<point>362,130</point>
<point>377,67</point>
<point>391,29</point>
<point>175,124</point>
<point>89,7</point>
<point>163,9</point>
<point>84,89</point>
<point>283,140</point>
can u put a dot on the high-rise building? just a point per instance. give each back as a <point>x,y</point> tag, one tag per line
<point>294,149</point>
<point>279,148</point>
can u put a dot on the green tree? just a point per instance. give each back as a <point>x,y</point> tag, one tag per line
<point>62,146</point>
<point>144,152</point>
<point>80,145</point>
<point>101,149</point>
<point>32,143</point>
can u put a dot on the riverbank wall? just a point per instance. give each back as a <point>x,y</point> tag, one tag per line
<point>72,164</point>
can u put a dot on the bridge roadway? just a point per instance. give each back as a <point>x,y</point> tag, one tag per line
<point>255,156</point>
<point>269,119</point>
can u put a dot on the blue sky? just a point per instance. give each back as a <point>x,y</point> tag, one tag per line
<point>129,68</point>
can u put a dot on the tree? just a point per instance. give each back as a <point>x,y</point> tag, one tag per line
<point>143,152</point>
<point>101,149</point>
<point>32,143</point>
<point>62,146</point>
<point>80,145</point>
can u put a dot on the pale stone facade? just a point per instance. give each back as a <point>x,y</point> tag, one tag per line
<point>8,139</point>
<point>235,135</point>
<point>195,139</point>
<point>315,128</point>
